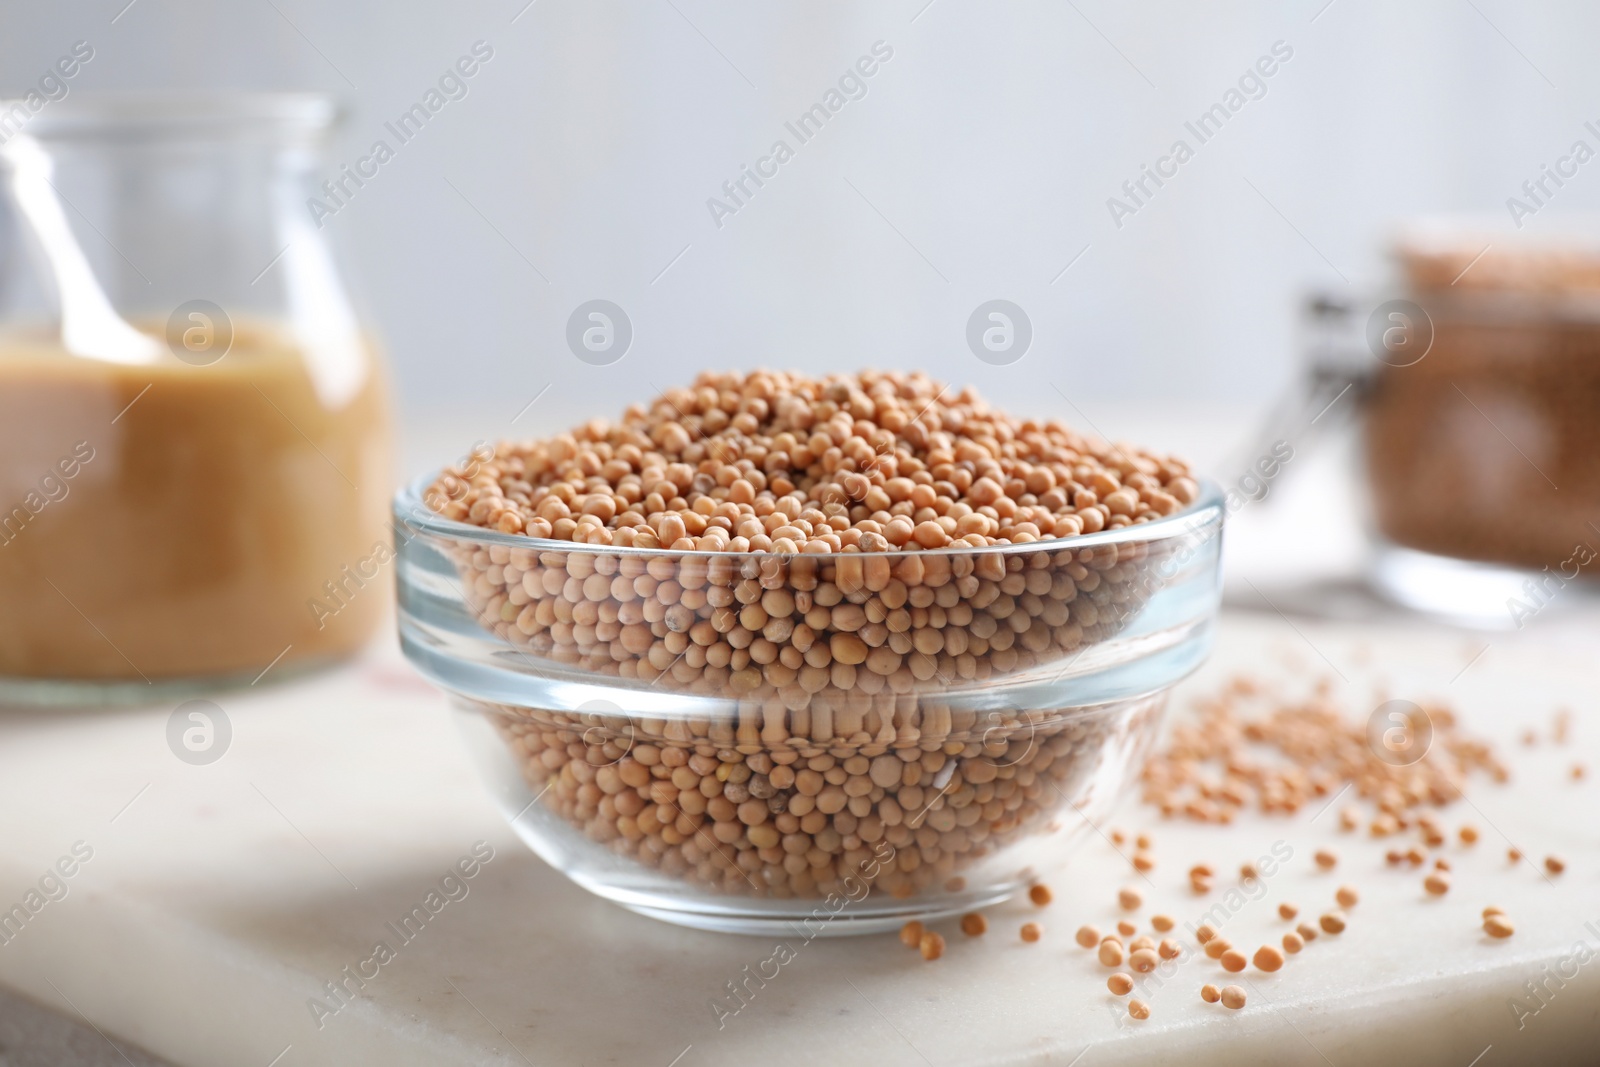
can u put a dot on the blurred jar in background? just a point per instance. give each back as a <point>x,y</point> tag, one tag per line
<point>194,425</point>
<point>1482,423</point>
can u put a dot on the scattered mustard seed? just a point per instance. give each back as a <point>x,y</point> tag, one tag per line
<point>1333,922</point>
<point>1293,942</point>
<point>1247,872</point>
<point>1210,993</point>
<point>1514,855</point>
<point>1347,896</point>
<point>1205,933</point>
<point>1110,951</point>
<point>1267,958</point>
<point>1143,960</point>
<point>1200,870</point>
<point>1217,946</point>
<point>1234,960</point>
<point>932,945</point>
<point>1088,936</point>
<point>1325,859</point>
<point>1441,864</point>
<point>1162,923</point>
<point>1468,835</point>
<point>1040,895</point>
<point>1169,949</point>
<point>1554,865</point>
<point>1498,925</point>
<point>1307,932</point>
<point>1349,819</point>
<point>1120,984</point>
<point>973,924</point>
<point>1143,841</point>
<point>1287,910</point>
<point>1437,883</point>
<point>911,934</point>
<point>1138,1009</point>
<point>1143,861</point>
<point>1129,899</point>
<point>1118,837</point>
<point>1143,941</point>
<point>1030,932</point>
<point>1232,997</point>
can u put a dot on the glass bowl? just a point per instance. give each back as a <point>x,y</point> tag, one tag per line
<point>744,742</point>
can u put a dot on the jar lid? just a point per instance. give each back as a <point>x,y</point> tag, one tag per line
<point>138,116</point>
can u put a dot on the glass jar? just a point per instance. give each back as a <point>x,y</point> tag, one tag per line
<point>1477,382</point>
<point>194,424</point>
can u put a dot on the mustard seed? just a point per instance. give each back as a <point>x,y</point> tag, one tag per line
<point>973,924</point>
<point>1347,896</point>
<point>1142,942</point>
<point>1293,942</point>
<point>1233,960</point>
<point>1162,923</point>
<point>1110,952</point>
<point>1325,859</point>
<point>1217,946</point>
<point>1040,895</point>
<point>1514,855</point>
<point>932,945</point>
<point>1287,911</point>
<point>1118,837</point>
<point>1554,865</point>
<point>1437,883</point>
<point>1349,819</point>
<point>1144,841</point>
<point>1138,1009</point>
<point>1200,870</point>
<point>1493,909</point>
<point>1332,922</point>
<point>1087,936</point>
<point>1129,899</point>
<point>1268,958</point>
<point>1120,984</point>
<point>1169,949</point>
<point>1307,932</point>
<point>1441,864</point>
<point>911,934</point>
<point>1143,861</point>
<point>1030,932</point>
<point>1205,932</point>
<point>1232,997</point>
<point>1498,925</point>
<point>1126,928</point>
<point>1210,993</point>
<point>1143,960</point>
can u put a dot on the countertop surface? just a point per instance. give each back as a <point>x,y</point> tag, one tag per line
<point>216,901</point>
<point>211,904</point>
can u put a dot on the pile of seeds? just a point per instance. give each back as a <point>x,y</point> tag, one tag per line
<point>775,462</point>
<point>1228,760</point>
<point>833,561</point>
<point>1318,751</point>
<point>903,800</point>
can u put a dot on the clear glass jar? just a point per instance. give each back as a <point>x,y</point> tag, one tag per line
<point>975,714</point>
<point>1477,381</point>
<point>194,424</point>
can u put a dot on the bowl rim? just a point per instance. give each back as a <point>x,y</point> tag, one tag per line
<point>409,509</point>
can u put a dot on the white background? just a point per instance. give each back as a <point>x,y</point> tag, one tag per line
<point>981,161</point>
